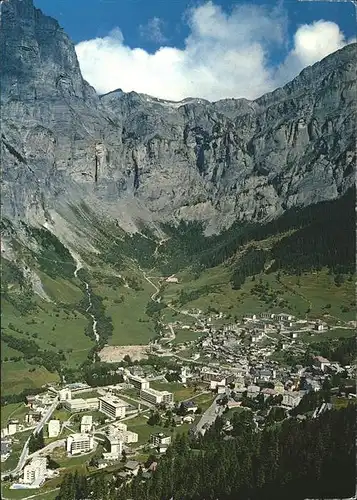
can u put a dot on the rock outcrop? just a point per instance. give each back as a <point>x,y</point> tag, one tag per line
<point>137,157</point>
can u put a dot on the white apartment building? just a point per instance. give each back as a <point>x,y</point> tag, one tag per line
<point>217,383</point>
<point>128,437</point>
<point>112,406</point>
<point>138,382</point>
<point>35,471</point>
<point>12,428</point>
<point>81,404</point>
<point>159,439</point>
<point>53,428</point>
<point>116,446</point>
<point>121,431</point>
<point>291,399</point>
<point>86,423</point>
<point>156,397</point>
<point>79,443</point>
<point>64,395</point>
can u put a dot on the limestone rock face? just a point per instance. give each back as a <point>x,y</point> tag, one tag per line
<point>138,157</point>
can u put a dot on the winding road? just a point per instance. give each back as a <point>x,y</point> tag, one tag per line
<point>25,451</point>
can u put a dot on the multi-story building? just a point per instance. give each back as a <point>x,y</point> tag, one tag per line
<point>279,387</point>
<point>138,382</point>
<point>12,427</point>
<point>5,449</point>
<point>292,399</point>
<point>53,427</point>
<point>112,406</point>
<point>208,375</point>
<point>116,446</point>
<point>65,395</point>
<point>35,471</point>
<point>86,423</point>
<point>253,391</point>
<point>121,431</point>
<point>159,439</point>
<point>79,443</point>
<point>321,362</point>
<point>128,437</point>
<point>81,404</point>
<point>217,383</point>
<point>156,397</point>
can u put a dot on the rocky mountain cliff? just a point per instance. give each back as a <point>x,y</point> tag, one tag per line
<point>138,158</point>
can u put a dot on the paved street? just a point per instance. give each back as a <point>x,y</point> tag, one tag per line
<point>24,454</point>
<point>209,416</point>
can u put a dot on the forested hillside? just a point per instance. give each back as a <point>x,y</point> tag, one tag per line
<point>311,238</point>
<point>292,460</point>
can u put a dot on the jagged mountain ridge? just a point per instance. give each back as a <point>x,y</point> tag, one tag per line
<point>136,158</point>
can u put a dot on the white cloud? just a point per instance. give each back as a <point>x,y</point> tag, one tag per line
<point>153,30</point>
<point>225,55</point>
<point>312,42</point>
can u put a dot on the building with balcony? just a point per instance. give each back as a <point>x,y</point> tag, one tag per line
<point>156,397</point>
<point>138,382</point>
<point>35,471</point>
<point>160,439</point>
<point>79,443</point>
<point>53,428</point>
<point>112,406</point>
<point>80,404</point>
<point>86,423</point>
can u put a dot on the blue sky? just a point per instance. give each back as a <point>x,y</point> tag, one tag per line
<point>275,44</point>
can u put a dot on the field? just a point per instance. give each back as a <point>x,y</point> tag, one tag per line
<point>85,395</point>
<point>12,411</point>
<point>52,328</point>
<point>140,426</point>
<point>16,376</point>
<point>186,336</point>
<point>127,307</point>
<point>312,291</point>
<point>334,333</point>
<point>339,403</point>
<point>40,494</point>
<point>57,326</point>
<point>180,392</point>
<point>19,440</point>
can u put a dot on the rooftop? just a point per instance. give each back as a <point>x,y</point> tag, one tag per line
<point>131,464</point>
<point>113,400</point>
<point>78,436</point>
<point>87,420</point>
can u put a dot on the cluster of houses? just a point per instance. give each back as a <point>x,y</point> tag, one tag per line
<point>257,336</point>
<point>238,369</point>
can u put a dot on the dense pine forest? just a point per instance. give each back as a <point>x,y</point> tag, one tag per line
<point>289,460</point>
<point>321,235</point>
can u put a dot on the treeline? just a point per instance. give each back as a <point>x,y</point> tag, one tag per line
<point>294,460</point>
<point>323,236</point>
<point>21,397</point>
<point>54,258</point>
<point>33,354</point>
<point>36,442</point>
<point>136,246</point>
<point>186,296</point>
<point>101,374</point>
<point>22,297</point>
<point>251,263</point>
<point>153,308</point>
<point>342,350</point>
